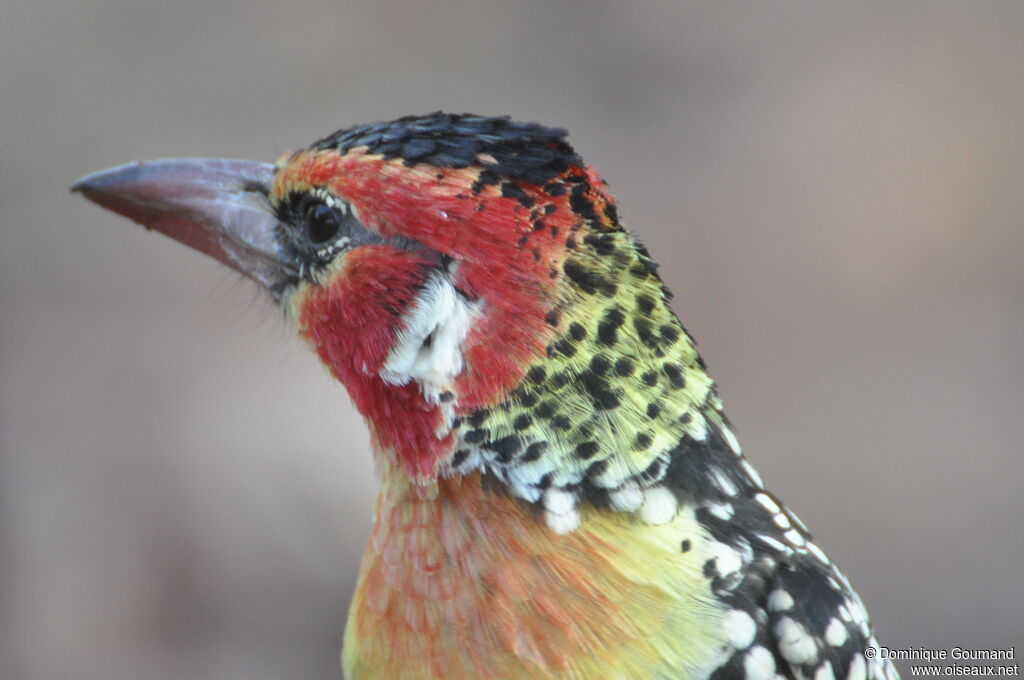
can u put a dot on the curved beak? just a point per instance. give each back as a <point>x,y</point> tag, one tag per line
<point>217,206</point>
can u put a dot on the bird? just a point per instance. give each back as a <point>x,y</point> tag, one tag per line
<point>560,492</point>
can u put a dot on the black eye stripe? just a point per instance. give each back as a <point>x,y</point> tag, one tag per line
<point>316,227</point>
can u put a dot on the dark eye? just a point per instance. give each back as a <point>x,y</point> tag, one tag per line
<point>322,222</point>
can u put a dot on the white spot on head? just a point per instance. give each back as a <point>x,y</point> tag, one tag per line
<point>797,521</point>
<point>836,634</point>
<point>731,440</point>
<point>781,521</point>
<point>858,669</point>
<point>818,553</point>
<point>860,615</point>
<point>774,543</point>
<point>726,559</point>
<point>659,507</point>
<point>562,524</point>
<point>767,502</point>
<point>752,473</point>
<point>824,672</point>
<point>759,664</point>
<point>698,429</point>
<point>427,349</point>
<point>723,482</point>
<point>721,510</point>
<point>627,498</point>
<point>525,479</point>
<point>530,494</point>
<point>559,501</point>
<point>795,645</point>
<point>745,550</point>
<point>567,477</point>
<point>740,628</point>
<point>794,537</point>
<point>780,601</point>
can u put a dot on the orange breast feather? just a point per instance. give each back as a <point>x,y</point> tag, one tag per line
<point>458,582</point>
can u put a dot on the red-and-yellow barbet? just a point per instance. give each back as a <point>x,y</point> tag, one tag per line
<point>561,494</point>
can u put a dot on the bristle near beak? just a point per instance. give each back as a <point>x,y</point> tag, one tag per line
<point>216,206</point>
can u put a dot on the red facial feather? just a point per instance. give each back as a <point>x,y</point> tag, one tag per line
<point>509,251</point>
<point>352,323</point>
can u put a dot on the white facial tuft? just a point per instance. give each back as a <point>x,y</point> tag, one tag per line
<point>428,348</point>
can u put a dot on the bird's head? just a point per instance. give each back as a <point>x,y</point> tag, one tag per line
<point>466,278</point>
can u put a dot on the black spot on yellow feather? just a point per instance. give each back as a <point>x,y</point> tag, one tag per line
<point>600,364</point>
<point>675,375</point>
<point>669,333</point>
<point>534,451</point>
<point>644,332</point>
<point>639,271</point>
<point>653,471</point>
<point>624,367</point>
<point>603,244</point>
<point>607,329</point>
<point>643,441</point>
<point>506,447</point>
<point>565,347</point>
<point>475,436</point>
<point>588,280</point>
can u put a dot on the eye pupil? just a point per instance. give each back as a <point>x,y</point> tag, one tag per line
<point>322,222</point>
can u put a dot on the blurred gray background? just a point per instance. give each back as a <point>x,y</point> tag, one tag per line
<point>835,192</point>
